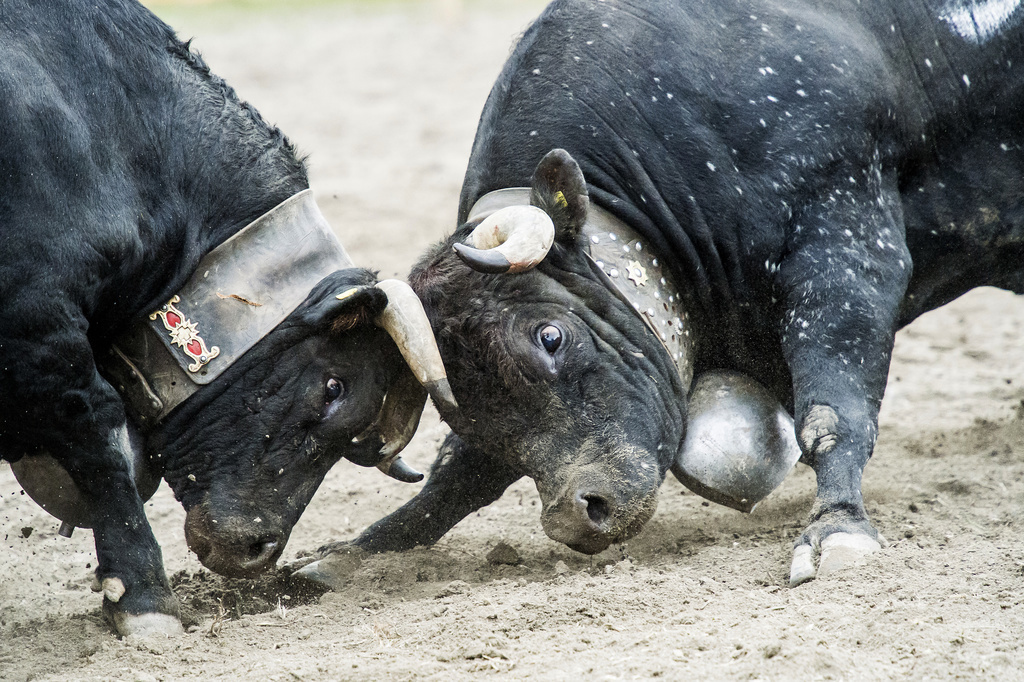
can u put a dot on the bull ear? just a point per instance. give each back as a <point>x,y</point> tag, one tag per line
<point>559,189</point>
<point>340,303</point>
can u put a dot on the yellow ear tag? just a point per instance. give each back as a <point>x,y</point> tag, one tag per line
<point>560,200</point>
<point>346,294</point>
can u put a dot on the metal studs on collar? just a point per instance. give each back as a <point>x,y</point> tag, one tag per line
<point>659,305</point>
<point>637,274</point>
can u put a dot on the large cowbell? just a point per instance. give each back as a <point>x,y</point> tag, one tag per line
<point>740,442</point>
<point>49,484</point>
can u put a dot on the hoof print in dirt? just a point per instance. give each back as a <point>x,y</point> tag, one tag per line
<point>208,595</point>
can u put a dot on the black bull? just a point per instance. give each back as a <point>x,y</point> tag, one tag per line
<point>815,175</point>
<point>124,164</point>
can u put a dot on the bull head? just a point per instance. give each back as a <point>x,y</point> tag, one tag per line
<point>556,374</point>
<point>50,486</point>
<point>344,375</point>
<point>599,474</point>
<point>406,323</point>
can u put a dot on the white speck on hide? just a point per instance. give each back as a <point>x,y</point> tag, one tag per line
<point>121,443</point>
<point>979,20</point>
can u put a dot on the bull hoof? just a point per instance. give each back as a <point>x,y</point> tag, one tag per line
<point>842,550</point>
<point>334,570</point>
<point>802,568</point>
<point>159,608</point>
<point>838,551</point>
<point>147,625</point>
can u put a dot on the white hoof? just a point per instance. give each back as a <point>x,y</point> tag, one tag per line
<point>802,568</point>
<point>841,550</point>
<point>334,570</point>
<point>147,625</point>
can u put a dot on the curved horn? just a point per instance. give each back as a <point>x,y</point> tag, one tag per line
<point>513,239</point>
<point>393,429</point>
<point>405,320</point>
<point>396,468</point>
<point>398,419</point>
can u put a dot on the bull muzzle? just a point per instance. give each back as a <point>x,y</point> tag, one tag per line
<point>602,505</point>
<point>234,546</point>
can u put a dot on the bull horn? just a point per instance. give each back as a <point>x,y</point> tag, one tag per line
<point>398,420</point>
<point>514,239</point>
<point>397,469</point>
<point>406,322</point>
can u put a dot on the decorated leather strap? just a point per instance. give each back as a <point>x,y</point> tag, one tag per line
<point>239,292</point>
<point>185,334</point>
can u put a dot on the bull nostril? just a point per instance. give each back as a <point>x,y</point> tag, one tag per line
<point>597,508</point>
<point>262,551</point>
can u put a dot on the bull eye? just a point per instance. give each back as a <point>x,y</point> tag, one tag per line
<point>551,338</point>
<point>333,390</point>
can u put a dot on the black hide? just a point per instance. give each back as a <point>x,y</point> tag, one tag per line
<point>123,161</point>
<point>816,174</point>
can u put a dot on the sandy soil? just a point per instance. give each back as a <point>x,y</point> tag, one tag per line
<point>385,98</point>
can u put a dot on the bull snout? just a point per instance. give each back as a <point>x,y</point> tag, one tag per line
<point>582,520</point>
<point>597,505</point>
<point>234,546</point>
<point>597,508</point>
<point>591,518</point>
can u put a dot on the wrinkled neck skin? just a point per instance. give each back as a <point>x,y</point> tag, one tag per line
<point>603,417</point>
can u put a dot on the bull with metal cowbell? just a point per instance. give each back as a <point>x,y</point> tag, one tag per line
<point>174,305</point>
<point>744,203</point>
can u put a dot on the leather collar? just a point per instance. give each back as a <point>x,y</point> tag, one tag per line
<point>631,270</point>
<point>239,292</point>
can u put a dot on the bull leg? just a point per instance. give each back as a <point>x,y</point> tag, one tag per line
<point>461,481</point>
<point>842,282</point>
<point>137,598</point>
<point>56,400</point>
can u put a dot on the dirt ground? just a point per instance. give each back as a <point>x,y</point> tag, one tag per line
<point>385,99</point>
